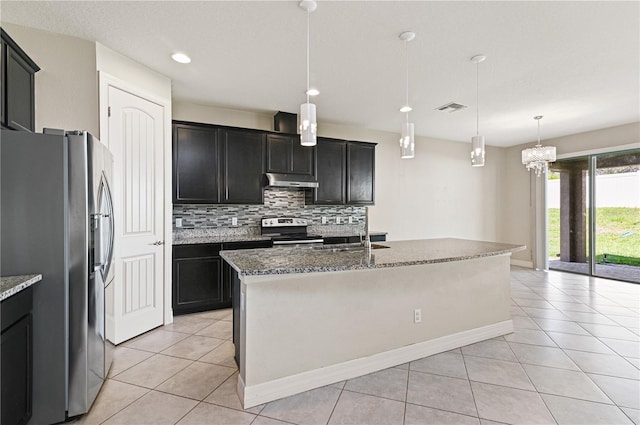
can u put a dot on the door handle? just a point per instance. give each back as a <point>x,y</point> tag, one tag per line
<point>157,243</point>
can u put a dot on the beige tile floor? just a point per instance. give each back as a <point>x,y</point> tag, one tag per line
<point>573,359</point>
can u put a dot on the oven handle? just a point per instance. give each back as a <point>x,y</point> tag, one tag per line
<point>293,242</point>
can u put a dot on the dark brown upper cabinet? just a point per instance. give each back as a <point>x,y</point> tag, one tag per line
<point>17,86</point>
<point>361,162</point>
<point>226,165</point>
<point>243,166</point>
<point>345,172</point>
<point>285,154</point>
<point>331,168</point>
<point>196,164</point>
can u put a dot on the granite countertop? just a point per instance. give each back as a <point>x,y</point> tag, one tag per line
<point>196,236</point>
<point>330,258</point>
<point>11,285</point>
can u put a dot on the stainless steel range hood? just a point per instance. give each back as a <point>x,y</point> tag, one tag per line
<point>291,180</point>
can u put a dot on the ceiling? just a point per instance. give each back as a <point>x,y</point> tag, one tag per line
<point>576,63</point>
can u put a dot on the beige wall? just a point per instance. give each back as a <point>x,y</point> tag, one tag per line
<point>67,85</point>
<point>133,73</point>
<point>434,195</point>
<point>516,210</point>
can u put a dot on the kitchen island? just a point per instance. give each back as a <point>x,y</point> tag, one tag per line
<point>305,317</point>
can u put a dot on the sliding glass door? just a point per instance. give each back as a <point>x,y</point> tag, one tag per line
<point>593,207</point>
<point>617,216</point>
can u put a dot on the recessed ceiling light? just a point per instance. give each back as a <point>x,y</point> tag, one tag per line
<point>181,57</point>
<point>313,92</point>
<point>406,108</point>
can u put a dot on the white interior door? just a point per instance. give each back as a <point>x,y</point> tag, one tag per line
<point>136,140</point>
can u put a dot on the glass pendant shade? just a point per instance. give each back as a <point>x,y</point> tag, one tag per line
<point>308,125</point>
<point>538,158</point>
<point>477,151</point>
<point>407,141</point>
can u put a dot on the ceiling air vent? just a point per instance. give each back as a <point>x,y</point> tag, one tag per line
<point>451,107</point>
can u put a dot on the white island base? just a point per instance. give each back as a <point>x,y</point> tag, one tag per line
<point>301,331</point>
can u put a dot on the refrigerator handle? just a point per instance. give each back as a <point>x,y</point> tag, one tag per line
<point>106,240</point>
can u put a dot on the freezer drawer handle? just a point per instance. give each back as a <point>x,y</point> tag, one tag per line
<point>157,243</point>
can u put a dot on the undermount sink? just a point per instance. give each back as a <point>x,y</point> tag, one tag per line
<point>378,246</point>
<point>338,248</point>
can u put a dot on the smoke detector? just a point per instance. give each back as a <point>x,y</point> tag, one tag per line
<point>451,107</point>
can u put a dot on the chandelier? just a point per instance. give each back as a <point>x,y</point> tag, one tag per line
<point>538,157</point>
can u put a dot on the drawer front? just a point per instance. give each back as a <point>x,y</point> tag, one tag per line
<point>197,250</point>
<point>247,245</point>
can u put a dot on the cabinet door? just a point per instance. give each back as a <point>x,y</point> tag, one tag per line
<point>361,166</point>
<point>17,371</point>
<point>285,154</point>
<point>301,158</point>
<point>19,95</point>
<point>196,170</point>
<point>244,153</point>
<point>197,278</point>
<point>278,154</point>
<point>330,171</point>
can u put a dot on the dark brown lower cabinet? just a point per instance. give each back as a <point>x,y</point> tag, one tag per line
<point>17,358</point>
<point>201,279</point>
<point>197,283</point>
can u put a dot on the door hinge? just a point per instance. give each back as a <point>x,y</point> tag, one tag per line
<point>109,111</point>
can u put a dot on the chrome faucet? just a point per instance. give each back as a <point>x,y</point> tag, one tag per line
<point>366,243</point>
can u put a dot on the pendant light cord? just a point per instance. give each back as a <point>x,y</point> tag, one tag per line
<point>477,99</point>
<point>406,60</point>
<point>538,132</point>
<point>308,20</point>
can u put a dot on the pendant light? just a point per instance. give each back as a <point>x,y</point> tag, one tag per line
<point>538,157</point>
<point>477,141</point>
<point>308,124</point>
<point>407,138</point>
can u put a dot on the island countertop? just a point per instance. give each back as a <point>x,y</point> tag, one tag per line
<point>11,285</point>
<point>331,258</point>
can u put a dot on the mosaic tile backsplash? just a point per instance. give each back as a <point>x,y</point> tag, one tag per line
<point>277,202</point>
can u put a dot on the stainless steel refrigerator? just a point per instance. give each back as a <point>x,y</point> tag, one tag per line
<point>57,220</point>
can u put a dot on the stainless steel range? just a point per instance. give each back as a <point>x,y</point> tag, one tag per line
<point>288,231</point>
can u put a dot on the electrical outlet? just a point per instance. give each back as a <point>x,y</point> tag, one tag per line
<point>350,220</point>
<point>234,221</point>
<point>417,315</point>
<point>178,222</point>
<point>324,220</point>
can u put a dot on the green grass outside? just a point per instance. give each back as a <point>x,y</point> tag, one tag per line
<point>617,234</point>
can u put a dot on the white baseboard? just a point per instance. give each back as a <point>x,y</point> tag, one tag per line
<point>254,395</point>
<point>522,263</point>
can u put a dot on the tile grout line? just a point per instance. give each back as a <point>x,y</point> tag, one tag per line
<point>533,384</point>
<point>406,394</point>
<point>133,401</point>
<point>337,401</point>
<point>473,396</point>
